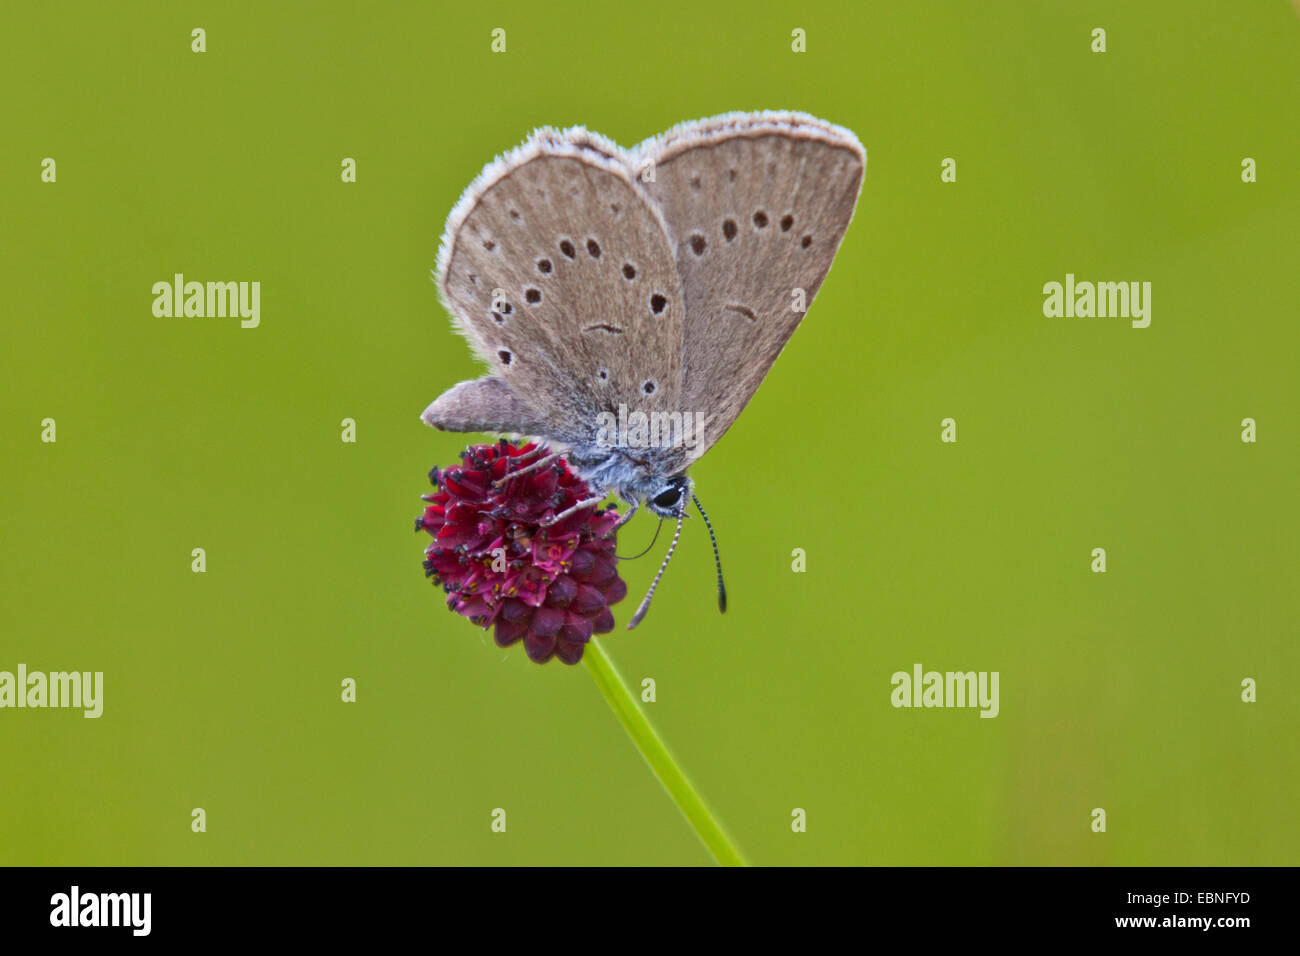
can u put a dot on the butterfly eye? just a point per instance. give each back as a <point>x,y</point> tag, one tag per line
<point>667,498</point>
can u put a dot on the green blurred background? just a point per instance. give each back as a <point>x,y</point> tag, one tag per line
<point>1118,690</point>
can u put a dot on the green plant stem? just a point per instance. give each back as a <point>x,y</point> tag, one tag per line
<point>652,748</point>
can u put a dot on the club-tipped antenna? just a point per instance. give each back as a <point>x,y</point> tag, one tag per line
<point>717,561</point>
<point>659,527</point>
<point>645,601</point>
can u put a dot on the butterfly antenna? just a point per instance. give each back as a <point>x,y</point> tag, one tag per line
<point>658,528</point>
<point>717,561</point>
<point>645,601</point>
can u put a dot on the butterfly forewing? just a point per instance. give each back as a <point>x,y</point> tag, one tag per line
<point>757,205</point>
<point>560,273</point>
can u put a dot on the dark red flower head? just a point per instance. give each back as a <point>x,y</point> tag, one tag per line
<point>552,586</point>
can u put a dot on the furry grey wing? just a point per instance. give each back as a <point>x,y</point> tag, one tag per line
<point>756,204</point>
<point>561,275</point>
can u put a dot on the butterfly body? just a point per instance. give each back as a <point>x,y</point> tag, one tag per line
<point>629,472</point>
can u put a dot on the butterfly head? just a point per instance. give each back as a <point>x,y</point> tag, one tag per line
<point>668,498</point>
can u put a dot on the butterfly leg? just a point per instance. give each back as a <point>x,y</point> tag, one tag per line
<point>539,463</point>
<point>584,503</point>
<point>539,447</point>
<point>627,516</point>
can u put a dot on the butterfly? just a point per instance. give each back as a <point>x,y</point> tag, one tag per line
<point>654,286</point>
